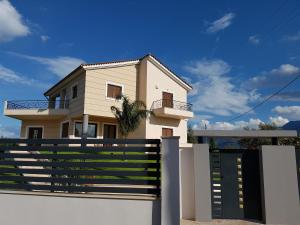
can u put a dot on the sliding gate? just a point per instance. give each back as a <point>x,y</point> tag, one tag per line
<point>235,182</point>
<point>298,167</point>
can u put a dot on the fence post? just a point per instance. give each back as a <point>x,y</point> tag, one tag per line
<point>279,185</point>
<point>170,184</point>
<point>203,209</point>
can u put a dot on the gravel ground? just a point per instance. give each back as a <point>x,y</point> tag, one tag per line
<point>220,222</point>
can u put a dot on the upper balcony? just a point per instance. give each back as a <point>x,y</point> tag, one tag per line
<point>172,109</point>
<point>33,109</point>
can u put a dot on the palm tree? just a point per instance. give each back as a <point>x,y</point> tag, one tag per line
<point>130,116</point>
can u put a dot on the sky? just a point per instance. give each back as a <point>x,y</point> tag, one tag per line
<point>234,53</point>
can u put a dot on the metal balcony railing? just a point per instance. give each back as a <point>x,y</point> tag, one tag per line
<point>37,104</point>
<point>171,104</point>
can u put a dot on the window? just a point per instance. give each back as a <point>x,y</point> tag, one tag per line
<point>113,91</point>
<point>92,130</point>
<point>74,91</point>
<point>167,132</point>
<point>65,130</point>
<point>109,131</point>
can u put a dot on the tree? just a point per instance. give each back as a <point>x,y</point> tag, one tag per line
<point>190,137</point>
<point>130,115</point>
<point>254,143</point>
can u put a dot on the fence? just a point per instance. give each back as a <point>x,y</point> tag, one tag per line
<point>112,166</point>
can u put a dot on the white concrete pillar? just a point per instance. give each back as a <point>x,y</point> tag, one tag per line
<point>280,194</point>
<point>170,184</point>
<point>203,210</point>
<point>85,125</point>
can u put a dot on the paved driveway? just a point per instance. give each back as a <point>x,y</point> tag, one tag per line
<point>220,222</point>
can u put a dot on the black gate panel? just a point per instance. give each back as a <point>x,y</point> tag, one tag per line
<point>251,183</point>
<point>231,181</point>
<point>235,182</point>
<point>298,167</point>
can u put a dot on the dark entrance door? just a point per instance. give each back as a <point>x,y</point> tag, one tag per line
<point>35,132</point>
<point>167,99</point>
<point>110,131</point>
<point>235,184</point>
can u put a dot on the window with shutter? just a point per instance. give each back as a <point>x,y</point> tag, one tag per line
<point>167,132</point>
<point>113,91</point>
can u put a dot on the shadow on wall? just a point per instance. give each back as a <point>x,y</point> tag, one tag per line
<point>165,121</point>
<point>156,212</point>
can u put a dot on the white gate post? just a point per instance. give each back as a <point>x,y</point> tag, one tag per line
<point>170,184</point>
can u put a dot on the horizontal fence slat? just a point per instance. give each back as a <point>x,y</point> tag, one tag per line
<point>79,141</point>
<point>80,149</point>
<point>79,172</point>
<point>80,156</point>
<point>80,189</point>
<point>65,180</point>
<point>80,164</point>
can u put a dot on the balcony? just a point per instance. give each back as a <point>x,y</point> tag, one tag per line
<point>34,109</point>
<point>172,109</point>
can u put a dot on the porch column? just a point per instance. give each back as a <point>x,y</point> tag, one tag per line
<point>170,184</point>
<point>85,125</point>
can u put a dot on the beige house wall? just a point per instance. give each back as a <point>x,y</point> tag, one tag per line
<point>96,103</point>
<point>75,105</point>
<point>157,82</point>
<point>51,128</point>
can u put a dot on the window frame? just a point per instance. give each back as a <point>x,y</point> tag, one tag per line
<point>94,123</point>
<point>114,84</point>
<point>72,91</point>
<point>117,129</point>
<point>61,128</point>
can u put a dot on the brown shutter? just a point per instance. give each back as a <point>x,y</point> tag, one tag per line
<point>167,132</point>
<point>113,91</point>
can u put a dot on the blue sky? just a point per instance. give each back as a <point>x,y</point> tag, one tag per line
<point>234,53</point>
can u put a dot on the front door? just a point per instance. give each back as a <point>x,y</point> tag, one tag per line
<point>110,131</point>
<point>167,100</point>
<point>35,132</point>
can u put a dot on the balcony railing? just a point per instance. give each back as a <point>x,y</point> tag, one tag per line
<point>37,104</point>
<point>171,104</point>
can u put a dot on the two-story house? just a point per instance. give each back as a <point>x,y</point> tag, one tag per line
<point>81,102</point>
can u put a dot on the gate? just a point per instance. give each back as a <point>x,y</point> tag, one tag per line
<point>235,182</point>
<point>298,167</point>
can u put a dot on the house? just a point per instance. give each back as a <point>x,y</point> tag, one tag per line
<point>80,104</point>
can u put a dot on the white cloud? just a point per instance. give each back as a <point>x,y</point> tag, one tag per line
<point>273,78</point>
<point>286,69</point>
<point>295,37</point>
<point>254,39</point>
<point>44,38</point>
<point>206,67</point>
<point>290,112</point>
<point>61,65</point>
<point>238,125</point>
<point>11,22</point>
<point>279,121</point>
<point>214,91</point>
<point>221,24</point>
<point>10,76</point>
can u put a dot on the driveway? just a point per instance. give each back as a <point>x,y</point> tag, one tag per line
<point>220,222</point>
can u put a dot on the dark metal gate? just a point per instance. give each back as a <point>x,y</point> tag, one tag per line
<point>235,181</point>
<point>298,167</point>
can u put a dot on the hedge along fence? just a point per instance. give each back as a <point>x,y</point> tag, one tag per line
<point>115,166</point>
